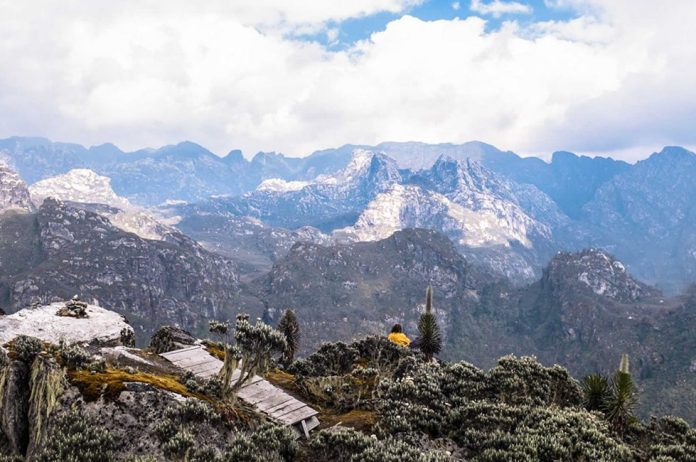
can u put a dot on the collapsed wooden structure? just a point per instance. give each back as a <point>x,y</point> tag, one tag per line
<point>278,405</point>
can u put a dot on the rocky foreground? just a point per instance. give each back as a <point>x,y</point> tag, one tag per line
<point>72,388</point>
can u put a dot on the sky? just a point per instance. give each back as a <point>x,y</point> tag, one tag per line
<point>598,77</point>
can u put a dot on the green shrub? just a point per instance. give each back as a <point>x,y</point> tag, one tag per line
<point>26,348</point>
<point>74,356</point>
<point>75,438</point>
<point>179,445</point>
<point>192,411</point>
<point>335,358</point>
<point>353,446</point>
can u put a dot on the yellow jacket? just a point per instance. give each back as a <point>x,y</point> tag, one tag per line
<point>399,338</point>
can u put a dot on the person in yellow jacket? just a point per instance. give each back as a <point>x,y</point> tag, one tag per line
<point>397,336</point>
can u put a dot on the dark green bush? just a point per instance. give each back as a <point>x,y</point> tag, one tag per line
<point>26,348</point>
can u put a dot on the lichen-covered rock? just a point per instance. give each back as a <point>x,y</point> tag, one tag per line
<point>14,397</point>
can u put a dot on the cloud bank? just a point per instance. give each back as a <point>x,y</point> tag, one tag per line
<point>616,79</point>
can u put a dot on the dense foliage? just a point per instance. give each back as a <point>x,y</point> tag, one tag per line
<point>290,328</point>
<point>520,410</point>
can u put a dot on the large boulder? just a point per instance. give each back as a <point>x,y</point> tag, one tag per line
<point>98,327</point>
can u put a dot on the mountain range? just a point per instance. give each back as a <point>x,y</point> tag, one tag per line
<point>351,237</point>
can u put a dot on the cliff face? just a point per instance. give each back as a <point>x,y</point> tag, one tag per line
<point>151,282</point>
<point>14,194</point>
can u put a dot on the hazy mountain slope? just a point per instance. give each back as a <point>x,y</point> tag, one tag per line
<point>344,291</point>
<point>584,312</point>
<point>253,246</point>
<point>647,216</point>
<point>587,310</point>
<point>327,203</point>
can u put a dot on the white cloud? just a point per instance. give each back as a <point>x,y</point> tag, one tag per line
<point>456,6</point>
<point>619,79</point>
<point>497,8</point>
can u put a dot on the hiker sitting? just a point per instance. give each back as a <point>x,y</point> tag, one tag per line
<point>397,336</point>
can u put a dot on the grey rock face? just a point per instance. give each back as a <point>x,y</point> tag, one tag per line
<point>14,194</point>
<point>345,291</point>
<point>647,217</point>
<point>14,391</point>
<point>151,282</point>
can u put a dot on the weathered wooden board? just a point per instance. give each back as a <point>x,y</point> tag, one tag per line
<point>267,398</point>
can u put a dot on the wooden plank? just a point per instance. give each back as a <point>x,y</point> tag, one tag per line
<point>212,367</point>
<point>297,415</point>
<point>292,406</point>
<point>312,423</point>
<point>200,354</point>
<point>251,381</point>
<point>207,374</point>
<point>259,387</point>
<point>194,362</point>
<point>203,367</point>
<point>176,353</point>
<point>263,396</point>
<point>258,392</point>
<point>278,399</point>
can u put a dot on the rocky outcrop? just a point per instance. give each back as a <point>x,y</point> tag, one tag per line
<point>14,194</point>
<point>150,282</point>
<point>14,396</point>
<point>598,271</point>
<point>94,192</point>
<point>98,326</point>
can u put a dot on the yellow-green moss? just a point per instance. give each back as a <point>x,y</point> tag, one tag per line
<point>112,382</point>
<point>359,419</point>
<point>47,379</point>
<point>214,349</point>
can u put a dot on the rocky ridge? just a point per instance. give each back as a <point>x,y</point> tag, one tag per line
<point>75,251</point>
<point>94,192</point>
<point>13,192</point>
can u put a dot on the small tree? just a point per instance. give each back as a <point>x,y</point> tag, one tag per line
<point>290,328</point>
<point>255,345</point>
<point>622,398</point>
<point>430,340</point>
